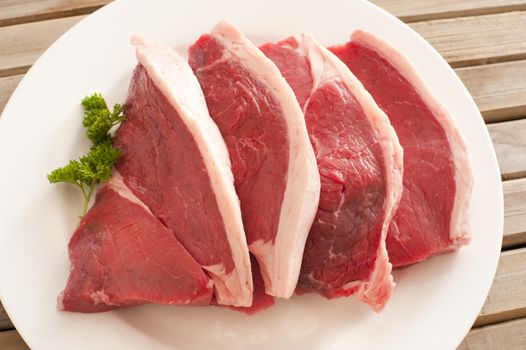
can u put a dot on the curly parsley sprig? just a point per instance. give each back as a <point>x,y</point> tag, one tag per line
<point>98,120</point>
<point>96,166</point>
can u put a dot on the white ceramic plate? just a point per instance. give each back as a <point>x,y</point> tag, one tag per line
<point>432,307</point>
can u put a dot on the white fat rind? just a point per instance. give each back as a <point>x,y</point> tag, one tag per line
<point>117,184</point>
<point>175,79</point>
<point>224,284</point>
<point>281,265</point>
<point>325,66</point>
<point>60,301</point>
<point>459,226</point>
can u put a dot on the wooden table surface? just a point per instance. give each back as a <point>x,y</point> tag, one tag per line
<point>484,40</point>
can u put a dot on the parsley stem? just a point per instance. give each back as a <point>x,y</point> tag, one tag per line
<point>81,186</point>
<point>87,198</point>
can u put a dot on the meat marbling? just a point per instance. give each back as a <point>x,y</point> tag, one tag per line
<point>433,214</point>
<point>360,164</point>
<point>274,166</point>
<point>176,162</point>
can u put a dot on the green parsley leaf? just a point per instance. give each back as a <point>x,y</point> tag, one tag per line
<point>96,166</point>
<point>98,119</point>
<point>68,173</point>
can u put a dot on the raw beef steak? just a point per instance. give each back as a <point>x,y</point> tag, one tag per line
<point>274,167</point>
<point>360,164</point>
<point>121,255</point>
<point>433,214</point>
<point>176,162</point>
<point>261,300</point>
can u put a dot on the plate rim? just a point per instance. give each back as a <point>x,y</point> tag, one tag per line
<point>28,76</point>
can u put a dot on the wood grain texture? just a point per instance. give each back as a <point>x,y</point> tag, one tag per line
<point>510,145</point>
<point>7,86</point>
<point>21,11</point>
<point>5,322</point>
<point>514,213</point>
<point>21,45</point>
<point>477,40</point>
<point>506,336</point>
<point>506,300</point>
<point>507,297</point>
<point>463,41</point>
<point>509,140</point>
<point>509,335</point>
<point>411,10</point>
<point>498,89</point>
<point>11,340</point>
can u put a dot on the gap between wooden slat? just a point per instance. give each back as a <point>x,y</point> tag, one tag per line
<point>509,140</point>
<point>412,11</point>
<point>22,44</point>
<point>521,190</point>
<point>507,336</point>
<point>514,213</point>
<point>23,11</point>
<point>462,41</point>
<point>11,340</point>
<point>498,89</point>
<point>477,40</point>
<point>507,297</point>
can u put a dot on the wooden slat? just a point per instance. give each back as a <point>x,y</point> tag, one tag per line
<point>5,322</point>
<point>412,11</point>
<point>498,89</point>
<point>11,340</point>
<point>7,86</point>
<point>21,45</point>
<point>507,297</point>
<point>21,11</point>
<point>506,300</point>
<point>509,139</point>
<point>477,40</point>
<point>506,336</point>
<point>463,41</point>
<point>514,213</point>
